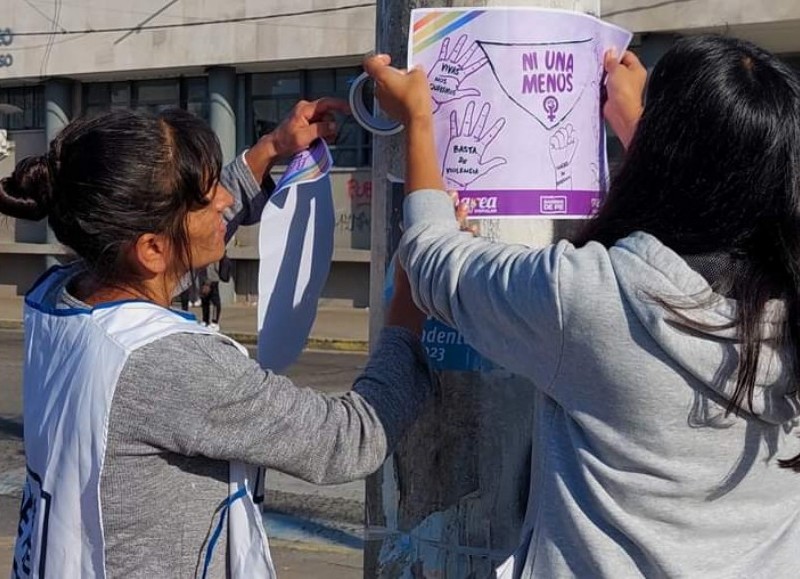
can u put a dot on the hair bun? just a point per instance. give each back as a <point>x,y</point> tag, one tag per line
<point>28,192</point>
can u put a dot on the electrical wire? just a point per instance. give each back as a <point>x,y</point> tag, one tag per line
<point>42,14</point>
<point>197,22</point>
<point>152,16</point>
<point>20,48</point>
<point>51,39</point>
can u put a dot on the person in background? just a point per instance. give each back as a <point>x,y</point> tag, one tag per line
<point>209,290</point>
<point>209,295</point>
<point>664,341</point>
<point>188,297</point>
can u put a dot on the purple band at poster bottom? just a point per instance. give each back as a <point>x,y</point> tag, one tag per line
<point>532,203</point>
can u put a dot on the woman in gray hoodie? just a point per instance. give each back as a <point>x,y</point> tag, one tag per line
<point>663,341</point>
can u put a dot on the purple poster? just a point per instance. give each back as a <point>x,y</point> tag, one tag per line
<point>516,99</point>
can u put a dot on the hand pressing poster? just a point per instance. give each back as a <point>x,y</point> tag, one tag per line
<point>516,106</point>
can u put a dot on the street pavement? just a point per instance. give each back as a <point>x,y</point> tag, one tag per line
<point>314,531</point>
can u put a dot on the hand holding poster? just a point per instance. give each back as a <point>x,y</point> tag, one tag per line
<point>516,101</point>
<point>518,120</point>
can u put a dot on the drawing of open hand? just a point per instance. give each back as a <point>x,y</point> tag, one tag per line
<point>450,70</point>
<point>563,144</point>
<point>464,159</point>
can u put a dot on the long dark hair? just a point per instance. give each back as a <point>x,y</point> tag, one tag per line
<point>113,177</point>
<point>714,167</point>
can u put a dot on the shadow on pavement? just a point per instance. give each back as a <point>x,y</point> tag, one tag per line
<point>290,528</point>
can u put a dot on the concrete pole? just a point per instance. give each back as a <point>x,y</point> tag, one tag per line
<point>58,113</point>
<point>451,501</point>
<point>222,118</point>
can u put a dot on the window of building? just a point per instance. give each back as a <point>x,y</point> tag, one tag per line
<point>190,94</point>
<point>194,96</point>
<point>155,95</point>
<point>272,96</point>
<point>103,96</point>
<point>30,100</point>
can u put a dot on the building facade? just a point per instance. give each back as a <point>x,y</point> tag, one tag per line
<point>241,65</point>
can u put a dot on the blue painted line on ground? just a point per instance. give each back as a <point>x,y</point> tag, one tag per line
<point>289,528</point>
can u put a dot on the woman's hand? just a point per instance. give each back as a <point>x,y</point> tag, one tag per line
<point>404,96</point>
<point>306,122</point>
<point>402,311</point>
<point>625,87</point>
<point>462,214</point>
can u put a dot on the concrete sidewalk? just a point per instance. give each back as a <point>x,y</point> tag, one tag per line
<point>342,329</point>
<point>292,560</point>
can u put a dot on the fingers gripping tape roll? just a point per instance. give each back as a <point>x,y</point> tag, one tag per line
<point>376,125</point>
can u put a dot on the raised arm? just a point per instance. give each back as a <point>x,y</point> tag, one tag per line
<point>247,177</point>
<point>502,298</point>
<point>625,83</point>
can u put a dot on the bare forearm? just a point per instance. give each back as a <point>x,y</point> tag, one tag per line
<point>625,127</point>
<point>402,312</point>
<point>422,167</point>
<point>625,85</point>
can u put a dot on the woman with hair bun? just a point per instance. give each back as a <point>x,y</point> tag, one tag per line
<point>145,433</point>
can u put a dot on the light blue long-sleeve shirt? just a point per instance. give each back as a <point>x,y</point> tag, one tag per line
<point>636,470</point>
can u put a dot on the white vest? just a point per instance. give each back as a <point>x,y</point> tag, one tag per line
<point>73,361</point>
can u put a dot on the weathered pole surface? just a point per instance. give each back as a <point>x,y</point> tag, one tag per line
<point>451,500</point>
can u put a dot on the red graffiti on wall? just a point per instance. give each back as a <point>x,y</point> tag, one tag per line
<point>360,193</point>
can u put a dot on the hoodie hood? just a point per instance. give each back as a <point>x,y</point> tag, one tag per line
<point>701,334</point>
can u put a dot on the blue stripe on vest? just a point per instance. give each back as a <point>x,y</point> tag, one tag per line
<point>212,543</point>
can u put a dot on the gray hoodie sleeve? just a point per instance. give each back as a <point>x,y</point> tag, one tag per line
<point>219,404</point>
<point>502,298</point>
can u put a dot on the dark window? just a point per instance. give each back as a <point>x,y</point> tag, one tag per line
<point>155,95</point>
<point>27,99</point>
<point>272,96</point>
<point>195,96</point>
<point>120,93</point>
<point>190,94</point>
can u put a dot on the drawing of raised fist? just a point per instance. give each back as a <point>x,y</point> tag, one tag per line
<point>563,144</point>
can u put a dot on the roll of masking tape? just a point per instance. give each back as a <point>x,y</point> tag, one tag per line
<point>376,125</point>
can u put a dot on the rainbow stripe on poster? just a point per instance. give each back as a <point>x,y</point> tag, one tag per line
<point>434,26</point>
<point>309,165</point>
